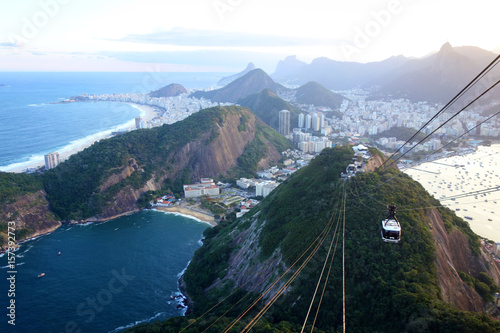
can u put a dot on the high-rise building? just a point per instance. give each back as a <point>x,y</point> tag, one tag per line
<point>140,123</point>
<point>301,120</point>
<point>315,122</point>
<point>321,120</point>
<point>308,121</point>
<point>51,160</point>
<point>284,122</point>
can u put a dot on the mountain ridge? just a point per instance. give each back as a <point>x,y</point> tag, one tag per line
<point>431,281</point>
<point>251,83</point>
<point>109,178</point>
<point>434,78</point>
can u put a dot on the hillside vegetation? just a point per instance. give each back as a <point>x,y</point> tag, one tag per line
<point>267,105</point>
<point>120,174</point>
<point>209,143</point>
<point>251,83</point>
<point>389,287</point>
<point>400,133</point>
<point>314,93</point>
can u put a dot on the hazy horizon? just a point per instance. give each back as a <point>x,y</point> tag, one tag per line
<point>225,35</point>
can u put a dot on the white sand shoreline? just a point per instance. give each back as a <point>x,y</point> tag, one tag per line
<point>147,113</point>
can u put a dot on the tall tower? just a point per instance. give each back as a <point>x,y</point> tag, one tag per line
<point>315,122</point>
<point>139,123</point>
<point>308,121</point>
<point>301,120</point>
<point>51,160</point>
<point>284,122</point>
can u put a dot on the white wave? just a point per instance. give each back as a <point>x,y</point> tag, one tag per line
<point>71,148</point>
<point>183,271</point>
<point>37,105</point>
<point>121,328</point>
<point>143,113</point>
<point>33,160</point>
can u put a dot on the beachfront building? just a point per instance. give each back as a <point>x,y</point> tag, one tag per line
<point>205,187</point>
<point>140,123</point>
<point>51,160</point>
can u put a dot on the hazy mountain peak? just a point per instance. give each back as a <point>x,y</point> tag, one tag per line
<point>446,47</point>
<point>228,79</point>
<point>251,83</point>
<point>288,66</point>
<point>171,90</point>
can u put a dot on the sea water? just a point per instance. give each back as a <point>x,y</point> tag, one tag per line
<point>469,185</point>
<point>108,276</point>
<point>31,125</point>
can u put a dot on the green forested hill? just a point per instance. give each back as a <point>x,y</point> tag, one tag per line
<point>267,105</point>
<point>314,93</point>
<point>209,143</point>
<point>111,176</point>
<point>389,287</point>
<point>400,133</point>
<point>251,83</point>
<point>73,187</point>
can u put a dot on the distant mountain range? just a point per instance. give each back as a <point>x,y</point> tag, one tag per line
<point>171,90</point>
<point>435,78</point>
<point>259,92</point>
<point>336,75</point>
<point>438,77</point>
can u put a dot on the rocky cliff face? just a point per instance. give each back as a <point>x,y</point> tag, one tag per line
<point>31,216</point>
<point>454,255</point>
<point>213,154</point>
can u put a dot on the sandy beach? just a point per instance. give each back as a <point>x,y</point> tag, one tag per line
<point>467,184</point>
<point>181,210</point>
<point>147,113</point>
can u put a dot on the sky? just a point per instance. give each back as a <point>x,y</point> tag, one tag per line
<point>225,35</point>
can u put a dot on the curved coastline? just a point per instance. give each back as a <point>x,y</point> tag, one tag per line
<point>189,213</point>
<point>75,146</point>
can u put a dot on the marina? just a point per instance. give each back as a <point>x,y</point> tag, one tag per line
<point>467,184</point>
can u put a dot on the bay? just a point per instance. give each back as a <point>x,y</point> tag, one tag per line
<point>109,276</point>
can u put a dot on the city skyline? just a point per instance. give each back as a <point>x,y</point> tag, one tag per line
<point>224,35</point>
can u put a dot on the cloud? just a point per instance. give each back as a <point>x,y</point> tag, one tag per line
<point>211,38</point>
<point>37,53</point>
<point>8,44</point>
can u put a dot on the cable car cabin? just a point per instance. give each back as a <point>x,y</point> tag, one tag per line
<point>391,229</point>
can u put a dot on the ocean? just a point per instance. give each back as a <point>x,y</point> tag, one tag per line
<point>109,275</point>
<point>467,184</point>
<point>31,126</point>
